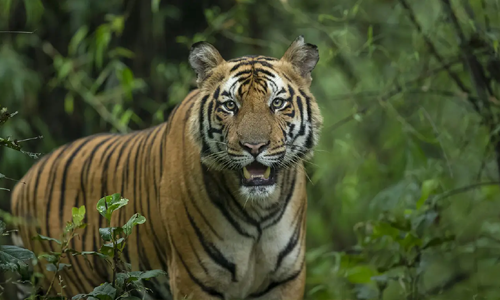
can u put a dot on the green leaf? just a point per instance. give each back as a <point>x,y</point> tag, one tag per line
<point>107,205</point>
<point>62,266</point>
<point>13,258</point>
<point>104,292</point>
<point>69,103</point>
<point>361,274</point>
<point>102,39</point>
<point>121,52</point>
<point>155,6</point>
<point>410,240</point>
<point>107,249</point>
<point>64,69</point>
<point>381,229</point>
<point>77,39</point>
<point>78,215</point>
<point>49,257</point>
<point>438,241</point>
<point>46,238</point>
<point>136,219</point>
<point>107,233</point>
<point>51,267</point>
<point>127,81</point>
<point>34,11</point>
<point>428,187</point>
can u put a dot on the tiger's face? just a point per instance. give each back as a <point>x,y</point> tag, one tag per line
<point>256,114</point>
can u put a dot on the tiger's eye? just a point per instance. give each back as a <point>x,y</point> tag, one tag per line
<point>230,105</point>
<point>278,103</point>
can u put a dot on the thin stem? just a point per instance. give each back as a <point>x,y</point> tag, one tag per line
<point>432,48</point>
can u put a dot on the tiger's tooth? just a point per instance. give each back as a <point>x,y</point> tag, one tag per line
<point>267,173</point>
<point>246,173</point>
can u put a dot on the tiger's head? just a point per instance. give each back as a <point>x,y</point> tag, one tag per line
<point>256,115</point>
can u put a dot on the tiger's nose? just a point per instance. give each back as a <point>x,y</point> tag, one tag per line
<point>254,148</point>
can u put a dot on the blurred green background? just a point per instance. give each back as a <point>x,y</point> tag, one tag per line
<point>404,200</point>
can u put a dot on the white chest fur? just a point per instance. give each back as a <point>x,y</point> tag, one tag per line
<point>261,262</point>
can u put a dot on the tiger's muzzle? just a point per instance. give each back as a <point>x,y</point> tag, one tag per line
<point>256,173</point>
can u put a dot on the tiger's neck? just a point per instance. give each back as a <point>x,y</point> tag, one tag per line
<point>223,188</point>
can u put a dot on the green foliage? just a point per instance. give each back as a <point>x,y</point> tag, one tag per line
<point>125,281</point>
<point>15,259</point>
<point>107,205</point>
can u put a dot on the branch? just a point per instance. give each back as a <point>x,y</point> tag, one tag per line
<point>450,283</point>
<point>392,93</point>
<point>479,79</point>
<point>464,189</point>
<point>432,48</point>
<point>14,144</point>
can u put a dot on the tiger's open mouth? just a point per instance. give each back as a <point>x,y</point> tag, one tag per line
<point>256,174</point>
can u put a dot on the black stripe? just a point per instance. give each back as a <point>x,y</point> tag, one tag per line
<point>246,217</point>
<point>149,201</point>
<point>50,185</point>
<point>251,63</point>
<point>209,113</point>
<point>275,284</point>
<point>294,239</point>
<point>209,290</point>
<point>244,72</point>
<point>212,251</point>
<point>200,262</point>
<point>265,72</point>
<point>205,149</point>
<point>214,198</point>
<point>191,197</point>
<point>163,144</point>
<point>65,176</point>
<point>62,203</point>
<point>108,148</point>
<point>197,208</point>
<point>84,179</point>
<point>285,205</point>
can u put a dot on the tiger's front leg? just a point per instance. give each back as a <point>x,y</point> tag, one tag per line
<point>291,290</point>
<point>185,281</point>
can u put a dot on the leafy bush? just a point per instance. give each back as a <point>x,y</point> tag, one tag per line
<point>124,281</point>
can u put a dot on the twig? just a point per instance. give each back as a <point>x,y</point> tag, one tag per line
<point>29,139</point>
<point>431,46</point>
<point>479,79</point>
<point>392,93</point>
<point>440,141</point>
<point>486,17</point>
<point>456,279</point>
<point>20,32</point>
<point>465,189</point>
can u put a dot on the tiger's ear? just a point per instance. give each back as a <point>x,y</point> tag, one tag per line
<point>203,59</point>
<point>302,56</point>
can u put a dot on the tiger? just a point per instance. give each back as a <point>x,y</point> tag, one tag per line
<point>222,184</point>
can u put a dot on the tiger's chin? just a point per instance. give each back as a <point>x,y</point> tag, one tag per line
<point>258,181</point>
<point>257,192</point>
